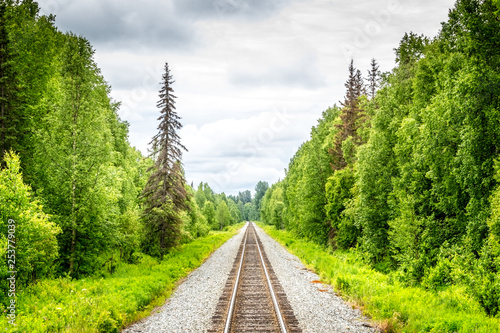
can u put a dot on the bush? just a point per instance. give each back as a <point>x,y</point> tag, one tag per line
<point>23,222</point>
<point>485,281</point>
<point>438,276</point>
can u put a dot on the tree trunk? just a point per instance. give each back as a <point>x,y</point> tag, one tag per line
<point>73,212</point>
<point>73,187</point>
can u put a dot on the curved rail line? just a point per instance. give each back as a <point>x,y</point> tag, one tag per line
<point>253,300</point>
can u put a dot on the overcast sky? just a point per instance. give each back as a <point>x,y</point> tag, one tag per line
<point>252,76</point>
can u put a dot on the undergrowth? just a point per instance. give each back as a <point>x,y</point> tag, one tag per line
<point>392,306</point>
<point>109,303</point>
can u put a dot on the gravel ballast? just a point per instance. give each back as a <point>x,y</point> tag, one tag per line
<point>315,305</point>
<point>192,305</point>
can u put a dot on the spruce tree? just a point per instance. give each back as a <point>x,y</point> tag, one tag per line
<point>165,194</point>
<point>373,78</point>
<point>351,117</point>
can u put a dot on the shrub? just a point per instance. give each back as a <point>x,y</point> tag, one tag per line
<point>23,222</point>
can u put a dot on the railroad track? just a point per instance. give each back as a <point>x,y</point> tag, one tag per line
<point>253,300</point>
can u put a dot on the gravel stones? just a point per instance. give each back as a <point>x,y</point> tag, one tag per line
<point>315,305</point>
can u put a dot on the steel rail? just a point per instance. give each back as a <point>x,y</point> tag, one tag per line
<point>235,289</point>
<point>271,290</point>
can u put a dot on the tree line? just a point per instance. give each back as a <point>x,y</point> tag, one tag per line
<point>82,198</point>
<point>406,170</point>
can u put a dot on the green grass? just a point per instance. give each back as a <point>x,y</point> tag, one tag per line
<point>392,306</point>
<point>106,304</point>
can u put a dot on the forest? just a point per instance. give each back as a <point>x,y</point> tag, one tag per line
<point>406,170</point>
<point>403,173</point>
<point>76,197</point>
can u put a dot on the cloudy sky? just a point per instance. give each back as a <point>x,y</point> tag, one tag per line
<point>252,76</point>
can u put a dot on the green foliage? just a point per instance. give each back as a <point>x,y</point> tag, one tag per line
<point>494,220</point>
<point>131,167</point>
<point>272,207</point>
<point>339,195</point>
<point>209,194</point>
<point>411,48</point>
<point>30,45</point>
<point>497,4</point>
<point>26,228</point>
<point>260,191</point>
<point>245,197</point>
<point>73,148</point>
<point>250,212</point>
<point>304,185</point>
<point>108,304</point>
<point>209,213</point>
<point>79,185</point>
<point>223,215</point>
<point>483,276</point>
<point>440,275</point>
<point>199,196</point>
<point>349,151</point>
<point>236,216</point>
<point>426,170</point>
<point>351,119</point>
<point>194,221</point>
<point>484,280</point>
<point>162,229</point>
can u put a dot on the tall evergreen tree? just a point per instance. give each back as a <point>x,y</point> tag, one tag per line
<point>351,117</point>
<point>165,194</point>
<point>373,78</point>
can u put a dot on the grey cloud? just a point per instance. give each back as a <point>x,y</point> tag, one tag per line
<point>303,74</point>
<point>153,24</point>
<point>127,24</point>
<point>250,9</point>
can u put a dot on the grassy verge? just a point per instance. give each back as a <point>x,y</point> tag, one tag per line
<point>393,306</point>
<point>110,303</point>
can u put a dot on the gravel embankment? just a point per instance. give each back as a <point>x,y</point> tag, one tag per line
<point>315,306</point>
<point>193,303</point>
